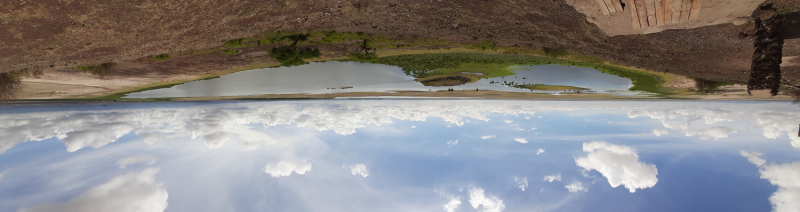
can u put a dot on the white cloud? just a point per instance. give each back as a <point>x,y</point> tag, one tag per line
<point>619,164</point>
<point>134,192</point>
<point>659,132</point>
<point>521,140</point>
<point>534,128</point>
<point>753,157</point>
<point>124,162</point>
<point>451,143</point>
<point>527,117</point>
<point>576,186</point>
<point>540,151</point>
<point>97,128</point>
<point>1,176</point>
<point>712,132</point>
<point>522,183</point>
<point>551,178</point>
<point>358,169</point>
<point>412,127</point>
<point>487,137</point>
<point>509,121</point>
<point>453,204</point>
<point>786,177</point>
<point>285,168</point>
<point>477,198</point>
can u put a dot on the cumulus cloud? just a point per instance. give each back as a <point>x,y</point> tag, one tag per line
<point>358,169</point>
<point>490,203</point>
<point>285,168</point>
<point>551,178</point>
<point>453,204</point>
<point>619,164</point>
<point>487,137</point>
<point>134,192</point>
<point>124,162</point>
<point>412,127</point>
<point>534,128</point>
<point>785,176</point>
<point>576,186</point>
<point>753,157</point>
<point>217,124</point>
<point>712,132</point>
<point>659,132</point>
<point>521,140</point>
<point>451,143</point>
<point>522,183</point>
<point>540,151</point>
<point>508,121</point>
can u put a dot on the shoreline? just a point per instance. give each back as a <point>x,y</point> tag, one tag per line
<point>679,86</point>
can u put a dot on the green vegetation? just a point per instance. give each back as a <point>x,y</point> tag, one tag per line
<point>161,57</point>
<point>230,52</point>
<point>708,86</point>
<point>10,84</point>
<point>487,44</point>
<point>267,38</point>
<point>543,87</point>
<point>104,71</point>
<point>494,65</point>
<point>291,55</point>
<point>555,52</point>
<point>236,43</point>
<point>362,58</point>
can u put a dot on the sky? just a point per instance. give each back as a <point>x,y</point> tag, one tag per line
<point>401,155</point>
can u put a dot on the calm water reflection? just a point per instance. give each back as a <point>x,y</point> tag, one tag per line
<point>401,155</point>
<point>317,78</point>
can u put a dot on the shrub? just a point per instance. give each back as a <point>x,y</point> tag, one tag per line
<point>104,71</point>
<point>554,52</point>
<point>161,57</point>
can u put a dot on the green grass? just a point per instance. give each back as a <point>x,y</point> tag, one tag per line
<point>230,52</point>
<point>555,52</point>
<point>161,57</point>
<point>104,70</point>
<point>485,45</point>
<point>236,43</point>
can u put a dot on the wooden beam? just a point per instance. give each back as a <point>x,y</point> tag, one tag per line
<point>641,10</point>
<point>695,11</point>
<point>676,11</point>
<point>667,11</point>
<point>610,6</point>
<point>660,12</point>
<point>617,5</point>
<point>603,7</point>
<point>634,17</point>
<point>686,7</point>
<point>651,12</point>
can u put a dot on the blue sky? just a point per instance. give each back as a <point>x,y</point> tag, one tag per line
<point>401,155</point>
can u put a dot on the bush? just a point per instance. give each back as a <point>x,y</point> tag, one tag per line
<point>10,84</point>
<point>161,57</point>
<point>236,43</point>
<point>291,56</point>
<point>554,52</point>
<point>104,71</point>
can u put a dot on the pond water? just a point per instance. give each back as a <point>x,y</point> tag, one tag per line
<point>319,78</point>
<point>401,155</point>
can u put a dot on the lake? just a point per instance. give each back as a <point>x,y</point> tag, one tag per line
<point>401,155</point>
<point>320,77</point>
